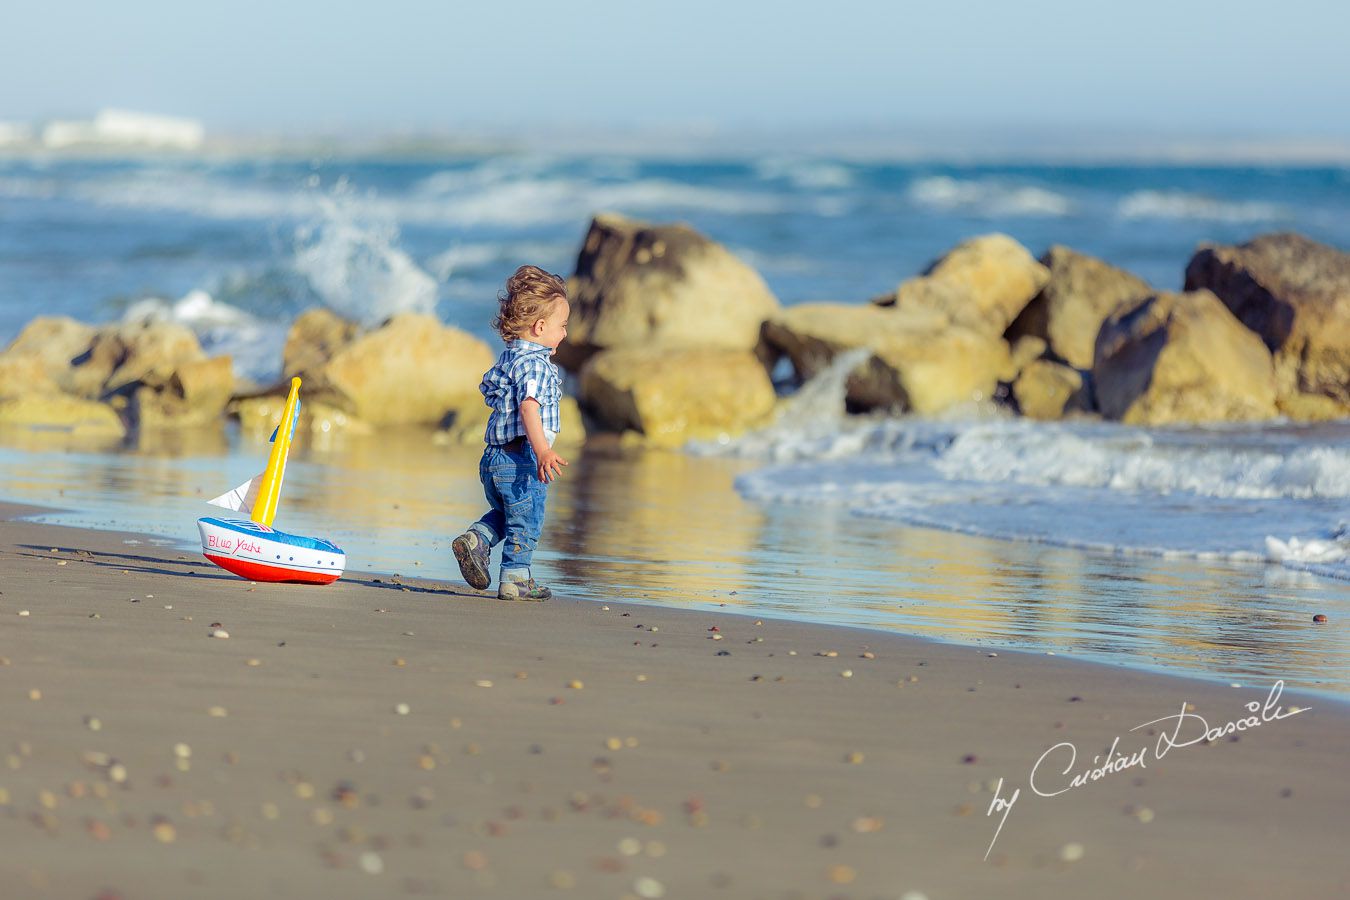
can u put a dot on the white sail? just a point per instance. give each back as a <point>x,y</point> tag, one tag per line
<point>240,499</point>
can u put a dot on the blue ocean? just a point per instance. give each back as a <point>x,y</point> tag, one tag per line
<point>1202,551</point>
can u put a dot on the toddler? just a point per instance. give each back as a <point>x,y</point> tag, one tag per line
<point>522,389</point>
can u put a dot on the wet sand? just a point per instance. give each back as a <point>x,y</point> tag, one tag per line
<point>388,737</point>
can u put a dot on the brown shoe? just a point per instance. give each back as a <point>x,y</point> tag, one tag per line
<point>474,556</point>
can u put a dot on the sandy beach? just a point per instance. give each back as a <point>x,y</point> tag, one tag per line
<point>388,737</point>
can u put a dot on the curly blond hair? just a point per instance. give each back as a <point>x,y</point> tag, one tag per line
<point>528,297</point>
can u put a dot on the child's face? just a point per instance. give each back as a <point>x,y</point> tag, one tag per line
<point>552,329</point>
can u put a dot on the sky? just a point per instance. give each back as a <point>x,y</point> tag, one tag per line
<point>330,66</point>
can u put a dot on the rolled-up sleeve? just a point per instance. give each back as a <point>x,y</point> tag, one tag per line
<point>529,382</point>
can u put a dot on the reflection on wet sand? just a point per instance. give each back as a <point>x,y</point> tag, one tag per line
<point>665,527</point>
<point>659,524</point>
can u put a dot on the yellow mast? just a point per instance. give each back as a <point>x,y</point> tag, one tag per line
<point>269,492</point>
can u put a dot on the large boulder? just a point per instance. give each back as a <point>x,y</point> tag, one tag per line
<point>410,370</point>
<point>982,284</point>
<point>122,357</point>
<point>53,342</point>
<point>61,413</point>
<point>260,415</point>
<point>315,337</point>
<point>1181,358</point>
<point>670,396</point>
<point>661,286</point>
<point>153,371</point>
<point>1049,390</point>
<point>466,426</point>
<point>1295,294</point>
<point>195,394</point>
<point>918,361</point>
<point>23,375</point>
<point>1069,310</point>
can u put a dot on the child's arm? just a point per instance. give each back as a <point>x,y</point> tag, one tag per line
<point>550,463</point>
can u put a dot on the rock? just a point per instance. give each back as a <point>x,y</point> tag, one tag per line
<point>195,394</point>
<point>1069,311</point>
<point>1178,358</point>
<point>1047,390</point>
<point>1026,350</point>
<point>410,370</point>
<point>122,357</point>
<point>1295,294</point>
<point>1311,407</point>
<point>919,361</point>
<point>61,412</point>
<point>314,337</point>
<point>53,342</point>
<point>660,286</point>
<point>466,426</point>
<point>982,284</point>
<point>24,375</point>
<point>670,396</point>
<point>259,415</point>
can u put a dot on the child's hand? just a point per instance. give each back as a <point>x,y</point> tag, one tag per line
<point>550,465</point>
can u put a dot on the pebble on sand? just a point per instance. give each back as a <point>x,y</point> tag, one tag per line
<point>1319,618</point>
<point>402,709</point>
<point>1071,852</point>
<point>649,888</point>
<point>219,633</point>
<point>842,874</point>
<point>575,685</point>
<point>371,863</point>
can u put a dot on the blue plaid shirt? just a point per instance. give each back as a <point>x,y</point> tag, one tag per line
<point>521,372</point>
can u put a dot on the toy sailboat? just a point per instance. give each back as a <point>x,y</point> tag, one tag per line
<point>251,548</point>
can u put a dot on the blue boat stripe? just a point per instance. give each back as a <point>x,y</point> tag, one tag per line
<point>253,529</point>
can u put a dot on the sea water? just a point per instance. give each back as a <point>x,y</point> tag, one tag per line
<point>1203,550</point>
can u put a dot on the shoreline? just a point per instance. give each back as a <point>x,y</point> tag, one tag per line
<point>669,769</point>
<point>10,510</point>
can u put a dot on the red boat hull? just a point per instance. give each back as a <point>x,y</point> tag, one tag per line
<point>255,571</point>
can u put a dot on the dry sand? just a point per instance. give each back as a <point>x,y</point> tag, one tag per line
<point>376,739</point>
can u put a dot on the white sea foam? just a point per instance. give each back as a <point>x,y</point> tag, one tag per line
<point>1181,205</point>
<point>561,199</point>
<point>499,197</point>
<point>1123,459</point>
<point>353,262</point>
<point>1207,494</point>
<point>807,174</point>
<point>254,345</point>
<point>987,197</point>
<point>471,257</point>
